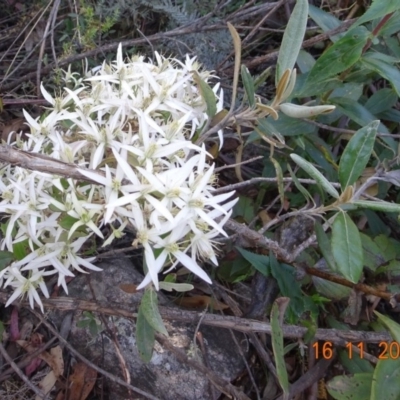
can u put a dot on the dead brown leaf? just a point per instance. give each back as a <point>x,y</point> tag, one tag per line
<point>202,302</point>
<point>81,382</point>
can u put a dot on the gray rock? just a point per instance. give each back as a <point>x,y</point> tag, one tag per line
<point>164,376</point>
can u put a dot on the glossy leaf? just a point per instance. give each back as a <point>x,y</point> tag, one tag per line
<point>292,39</point>
<point>258,261</point>
<point>385,70</point>
<point>378,205</point>
<point>361,115</point>
<point>277,347</point>
<point>149,306</point>
<point>326,21</point>
<point>378,9</point>
<point>279,178</point>
<point>347,248</point>
<point>393,326</point>
<point>385,382</point>
<point>325,246</point>
<point>357,154</point>
<point>315,174</point>
<point>145,338</point>
<point>356,387</point>
<point>352,364</point>
<point>289,287</point>
<point>381,101</point>
<point>207,94</point>
<point>299,186</point>
<point>21,249</point>
<point>6,258</point>
<point>339,57</point>
<point>248,85</point>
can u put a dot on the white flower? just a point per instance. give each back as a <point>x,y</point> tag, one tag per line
<point>133,121</point>
<point>59,103</point>
<point>145,191</point>
<point>24,285</point>
<point>172,251</point>
<point>84,212</point>
<point>117,234</point>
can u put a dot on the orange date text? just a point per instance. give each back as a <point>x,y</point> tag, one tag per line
<point>386,350</point>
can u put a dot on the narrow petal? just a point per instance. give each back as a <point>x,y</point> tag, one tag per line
<point>191,265</point>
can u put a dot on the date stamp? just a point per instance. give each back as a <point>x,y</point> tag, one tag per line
<point>387,350</point>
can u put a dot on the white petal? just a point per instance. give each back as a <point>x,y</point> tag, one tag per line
<point>191,265</point>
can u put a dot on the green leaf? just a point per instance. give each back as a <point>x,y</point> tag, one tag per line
<point>356,154</point>
<point>299,186</point>
<point>361,115</point>
<point>244,208</point>
<point>373,257</point>
<point>385,70</point>
<point>145,337</point>
<point>248,85</point>
<point>354,365</point>
<point>339,57</point>
<point>377,205</point>
<point>178,287</point>
<point>21,249</point>
<point>356,111</point>
<point>378,9</point>
<point>6,258</point>
<point>305,62</point>
<point>393,326</point>
<point>347,248</point>
<point>385,382</point>
<point>149,306</point>
<point>325,246</point>
<point>382,100</point>
<point>292,39</point>
<point>260,79</point>
<point>277,347</point>
<point>258,261</point>
<point>279,178</point>
<point>289,287</point>
<point>207,94</point>
<point>326,21</point>
<point>287,126</point>
<point>314,173</point>
<point>331,290</point>
<point>67,221</point>
<point>356,387</point>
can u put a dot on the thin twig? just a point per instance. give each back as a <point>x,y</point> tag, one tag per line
<point>345,131</point>
<point>112,47</point>
<point>14,366</point>
<point>237,164</point>
<point>50,21</point>
<point>25,361</point>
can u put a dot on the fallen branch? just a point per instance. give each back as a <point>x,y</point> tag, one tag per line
<point>222,321</point>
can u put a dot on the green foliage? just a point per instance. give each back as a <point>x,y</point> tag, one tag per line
<point>347,248</point>
<point>356,154</point>
<point>148,322</point>
<point>363,159</point>
<point>89,321</point>
<point>277,346</point>
<point>145,336</point>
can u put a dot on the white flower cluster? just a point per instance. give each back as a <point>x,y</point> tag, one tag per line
<point>134,122</point>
